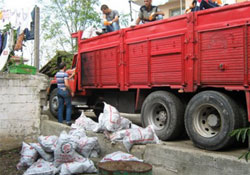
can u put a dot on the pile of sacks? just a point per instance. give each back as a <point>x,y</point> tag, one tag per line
<point>117,128</point>
<point>70,152</point>
<point>67,154</point>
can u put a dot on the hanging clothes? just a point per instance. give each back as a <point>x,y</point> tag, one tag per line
<point>1,43</point>
<point>30,34</point>
<point>19,43</point>
<point>4,41</point>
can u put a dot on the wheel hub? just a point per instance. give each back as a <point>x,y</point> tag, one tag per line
<point>207,121</point>
<point>159,116</point>
<point>213,120</point>
<point>55,103</point>
<point>162,116</point>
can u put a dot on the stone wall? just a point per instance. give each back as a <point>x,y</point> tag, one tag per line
<point>21,101</point>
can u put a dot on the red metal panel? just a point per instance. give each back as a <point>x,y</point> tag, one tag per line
<point>103,41</point>
<point>138,63</point>
<point>88,69</point>
<point>166,58</point>
<point>166,69</point>
<point>247,51</point>
<point>161,28</point>
<point>109,66</point>
<point>222,56</point>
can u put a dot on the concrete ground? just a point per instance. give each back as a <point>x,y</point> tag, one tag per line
<point>173,157</point>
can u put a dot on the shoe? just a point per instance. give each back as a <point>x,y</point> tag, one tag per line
<point>99,33</point>
<point>68,123</point>
<point>102,32</point>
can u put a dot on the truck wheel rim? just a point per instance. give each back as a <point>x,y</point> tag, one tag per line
<point>55,103</point>
<point>159,116</point>
<point>207,121</point>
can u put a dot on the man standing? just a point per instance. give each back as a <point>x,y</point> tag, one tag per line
<point>110,19</point>
<point>149,13</point>
<point>64,94</point>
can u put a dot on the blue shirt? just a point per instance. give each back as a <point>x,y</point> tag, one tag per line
<point>60,77</point>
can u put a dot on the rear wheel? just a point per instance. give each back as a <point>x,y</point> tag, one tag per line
<point>209,118</point>
<point>53,103</point>
<point>164,111</point>
<point>98,109</point>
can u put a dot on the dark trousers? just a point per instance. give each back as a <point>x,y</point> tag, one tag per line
<point>207,5</point>
<point>64,97</point>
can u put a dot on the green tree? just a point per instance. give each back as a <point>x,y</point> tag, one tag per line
<point>63,17</point>
<point>124,20</point>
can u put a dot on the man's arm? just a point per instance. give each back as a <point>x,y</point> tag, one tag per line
<point>160,13</point>
<point>137,21</point>
<point>115,19</point>
<point>66,81</point>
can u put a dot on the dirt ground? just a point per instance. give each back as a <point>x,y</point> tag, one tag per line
<point>8,162</point>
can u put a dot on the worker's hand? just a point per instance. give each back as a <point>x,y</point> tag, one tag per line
<point>151,17</point>
<point>107,23</point>
<point>72,94</point>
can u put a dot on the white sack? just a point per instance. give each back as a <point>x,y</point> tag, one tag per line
<point>46,156</point>
<point>120,156</point>
<point>28,156</point>
<point>48,143</point>
<point>119,135</point>
<point>41,167</point>
<point>85,122</point>
<point>139,136</point>
<point>111,120</point>
<point>87,33</point>
<point>80,165</point>
<point>77,134</point>
<point>88,147</point>
<point>65,149</point>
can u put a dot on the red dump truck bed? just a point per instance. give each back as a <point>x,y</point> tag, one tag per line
<point>189,72</point>
<point>206,48</point>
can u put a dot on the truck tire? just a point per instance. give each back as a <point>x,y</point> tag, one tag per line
<point>98,109</point>
<point>165,112</point>
<point>53,103</point>
<point>243,116</point>
<point>209,118</point>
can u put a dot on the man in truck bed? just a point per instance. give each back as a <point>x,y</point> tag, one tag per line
<point>149,13</point>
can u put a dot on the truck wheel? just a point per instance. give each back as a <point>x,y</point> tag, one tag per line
<point>53,103</point>
<point>209,118</point>
<point>243,116</point>
<point>98,109</point>
<point>165,112</point>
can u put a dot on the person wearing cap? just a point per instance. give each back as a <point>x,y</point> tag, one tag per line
<point>64,94</point>
<point>149,13</point>
<point>110,19</point>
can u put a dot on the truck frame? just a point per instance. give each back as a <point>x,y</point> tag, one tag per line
<point>186,73</point>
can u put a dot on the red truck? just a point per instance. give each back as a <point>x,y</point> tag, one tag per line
<point>186,73</point>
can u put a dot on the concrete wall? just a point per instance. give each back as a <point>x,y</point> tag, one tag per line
<point>21,98</point>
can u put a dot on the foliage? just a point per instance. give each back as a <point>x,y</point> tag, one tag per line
<point>51,67</point>
<point>63,17</point>
<point>242,134</point>
<point>124,20</point>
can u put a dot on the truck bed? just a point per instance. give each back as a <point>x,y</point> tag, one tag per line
<point>205,48</point>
